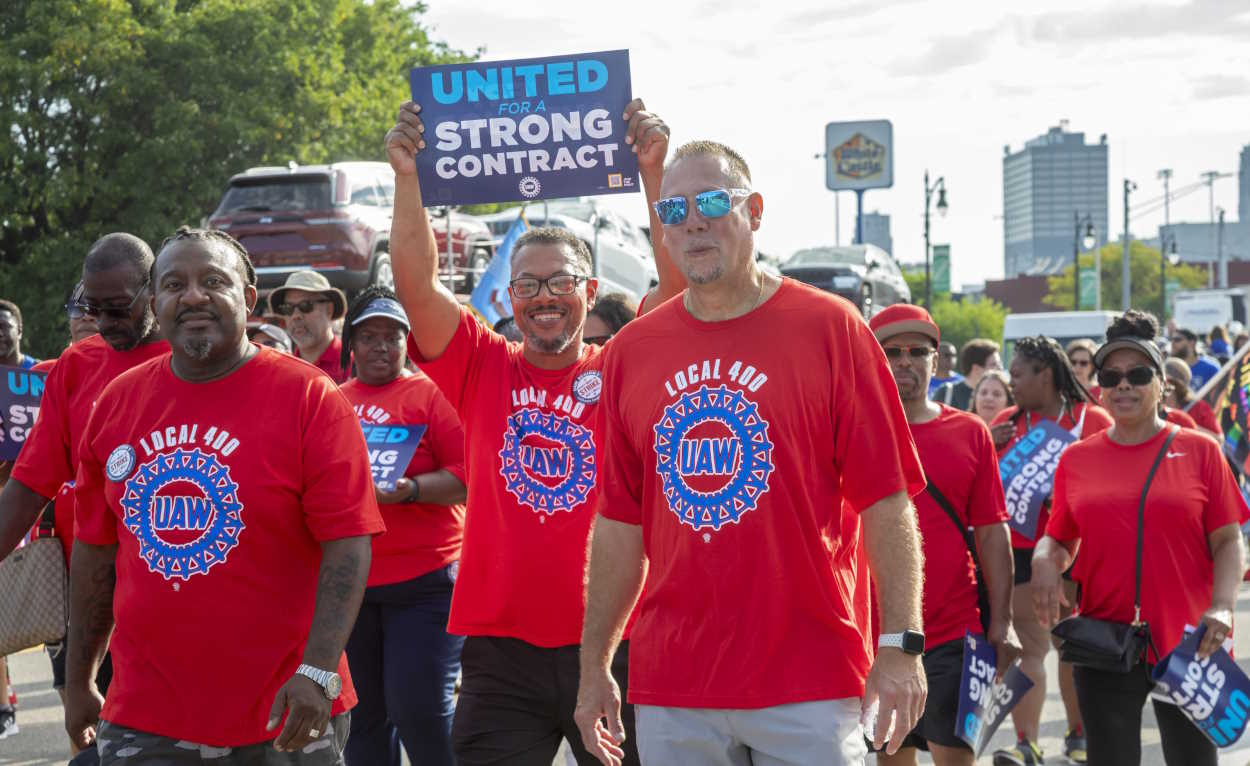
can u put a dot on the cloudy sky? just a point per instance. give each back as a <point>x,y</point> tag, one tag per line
<point>1167,81</point>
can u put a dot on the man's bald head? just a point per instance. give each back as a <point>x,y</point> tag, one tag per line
<point>119,250</point>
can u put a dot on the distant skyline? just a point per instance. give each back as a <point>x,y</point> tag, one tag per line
<point>1166,81</point>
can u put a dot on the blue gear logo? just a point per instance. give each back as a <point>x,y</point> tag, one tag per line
<point>215,515</point>
<point>748,478</point>
<point>569,467</point>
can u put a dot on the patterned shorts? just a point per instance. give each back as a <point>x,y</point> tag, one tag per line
<point>120,746</point>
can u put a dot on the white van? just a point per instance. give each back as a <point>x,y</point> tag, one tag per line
<point>1063,326</point>
<point>1200,310</point>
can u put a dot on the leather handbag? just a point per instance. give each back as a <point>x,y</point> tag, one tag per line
<point>35,606</point>
<point>1107,645</point>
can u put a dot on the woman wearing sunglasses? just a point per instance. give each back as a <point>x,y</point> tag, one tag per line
<point>1191,556</point>
<point>1045,388</point>
<point>1081,355</point>
<point>403,661</point>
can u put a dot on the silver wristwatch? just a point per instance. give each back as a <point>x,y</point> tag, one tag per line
<point>328,680</point>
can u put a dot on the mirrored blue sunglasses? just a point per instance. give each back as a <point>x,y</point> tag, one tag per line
<point>714,203</point>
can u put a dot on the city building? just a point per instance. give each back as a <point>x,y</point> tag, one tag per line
<point>877,231</point>
<point>1243,186</point>
<point>1053,177</point>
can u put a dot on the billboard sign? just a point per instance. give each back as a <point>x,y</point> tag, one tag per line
<point>860,155</point>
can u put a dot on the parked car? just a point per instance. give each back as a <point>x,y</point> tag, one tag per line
<point>470,244</point>
<point>866,275</point>
<point>624,262</point>
<point>335,219</point>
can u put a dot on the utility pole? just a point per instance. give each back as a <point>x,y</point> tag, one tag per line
<point>1211,176</point>
<point>1166,175</point>
<point>1126,287</point>
<point>1219,249</point>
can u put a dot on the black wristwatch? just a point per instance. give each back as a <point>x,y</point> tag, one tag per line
<point>414,495</point>
<point>910,641</point>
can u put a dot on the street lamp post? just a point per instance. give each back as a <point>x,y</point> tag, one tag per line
<point>1089,240</point>
<point>1167,254</point>
<point>939,186</point>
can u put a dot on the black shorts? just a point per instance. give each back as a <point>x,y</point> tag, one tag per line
<point>57,652</point>
<point>943,667</point>
<point>1024,566</point>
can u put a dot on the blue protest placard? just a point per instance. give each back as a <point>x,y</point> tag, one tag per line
<point>1213,693</point>
<point>19,407</point>
<point>391,448</point>
<point>984,703</point>
<point>542,128</point>
<point>1028,472</point>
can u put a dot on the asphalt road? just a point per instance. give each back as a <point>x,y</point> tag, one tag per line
<point>42,738</point>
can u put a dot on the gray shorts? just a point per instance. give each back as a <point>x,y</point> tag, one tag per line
<point>825,732</point>
<point>120,746</point>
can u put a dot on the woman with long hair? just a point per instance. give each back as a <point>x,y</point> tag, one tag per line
<point>1045,388</point>
<point>1190,537</point>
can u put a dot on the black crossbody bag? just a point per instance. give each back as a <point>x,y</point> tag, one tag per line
<point>983,593</point>
<point>1106,645</point>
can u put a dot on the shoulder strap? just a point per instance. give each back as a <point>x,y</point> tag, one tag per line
<point>1141,520</point>
<point>946,506</point>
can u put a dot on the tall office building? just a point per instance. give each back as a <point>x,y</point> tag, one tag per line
<point>1054,176</point>
<point>877,231</point>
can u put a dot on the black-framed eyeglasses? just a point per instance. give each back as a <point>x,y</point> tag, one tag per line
<point>113,312</point>
<point>303,307</point>
<point>894,353</point>
<point>1137,376</point>
<point>557,284</point>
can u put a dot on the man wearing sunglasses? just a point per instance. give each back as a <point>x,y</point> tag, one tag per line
<point>529,412</point>
<point>311,306</point>
<point>751,427</point>
<point>114,292</point>
<point>964,492</point>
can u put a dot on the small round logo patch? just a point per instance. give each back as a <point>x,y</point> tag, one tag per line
<point>530,187</point>
<point>588,386</point>
<point>120,463</point>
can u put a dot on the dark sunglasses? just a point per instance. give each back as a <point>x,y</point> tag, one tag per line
<point>559,284</point>
<point>714,203</point>
<point>112,312</point>
<point>894,353</point>
<point>1080,362</point>
<point>1137,376</point>
<point>303,307</point>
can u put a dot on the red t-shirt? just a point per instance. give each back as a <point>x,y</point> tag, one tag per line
<point>50,456</point>
<point>419,537</point>
<point>958,458</point>
<point>63,503</point>
<point>1204,416</point>
<point>330,362</point>
<point>1096,420</point>
<point>45,366</point>
<point>1179,417</point>
<point>734,452</point>
<point>531,464</point>
<point>1192,495</point>
<point>218,496</point>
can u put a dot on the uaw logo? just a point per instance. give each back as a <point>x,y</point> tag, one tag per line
<point>547,461</point>
<point>713,456</point>
<point>859,157</point>
<point>183,508</point>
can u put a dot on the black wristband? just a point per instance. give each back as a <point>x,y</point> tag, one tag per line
<point>414,496</point>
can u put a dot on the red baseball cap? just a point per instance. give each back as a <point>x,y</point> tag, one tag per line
<point>901,318</point>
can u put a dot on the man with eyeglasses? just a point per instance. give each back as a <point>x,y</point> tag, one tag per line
<point>529,412</point>
<point>115,292</point>
<point>312,306</point>
<point>751,429</point>
<point>963,492</point>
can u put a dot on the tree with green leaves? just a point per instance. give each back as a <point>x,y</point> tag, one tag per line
<point>131,115</point>
<point>1145,271</point>
<point>962,320</point>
